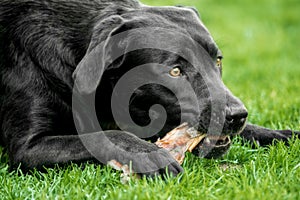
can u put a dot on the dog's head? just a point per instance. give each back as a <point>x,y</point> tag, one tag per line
<point>140,61</point>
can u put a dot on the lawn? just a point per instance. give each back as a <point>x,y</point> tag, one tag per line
<point>260,41</point>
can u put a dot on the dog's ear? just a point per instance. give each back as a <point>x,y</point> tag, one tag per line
<point>89,71</point>
<point>194,9</point>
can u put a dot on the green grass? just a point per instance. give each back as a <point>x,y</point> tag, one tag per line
<point>260,42</point>
<point>244,173</point>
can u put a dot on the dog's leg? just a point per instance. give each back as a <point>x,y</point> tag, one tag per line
<point>144,157</point>
<point>31,142</point>
<point>263,136</point>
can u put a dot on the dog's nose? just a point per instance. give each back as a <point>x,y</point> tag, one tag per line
<point>236,116</point>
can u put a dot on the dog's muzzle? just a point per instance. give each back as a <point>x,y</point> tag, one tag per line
<point>212,146</point>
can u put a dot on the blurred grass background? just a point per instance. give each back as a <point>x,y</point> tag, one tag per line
<point>260,41</point>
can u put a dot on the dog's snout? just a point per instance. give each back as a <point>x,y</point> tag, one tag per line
<point>236,115</point>
<point>236,118</point>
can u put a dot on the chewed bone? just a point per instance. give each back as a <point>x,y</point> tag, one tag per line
<point>127,173</point>
<point>180,140</point>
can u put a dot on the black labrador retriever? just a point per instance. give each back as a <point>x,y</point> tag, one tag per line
<point>59,57</point>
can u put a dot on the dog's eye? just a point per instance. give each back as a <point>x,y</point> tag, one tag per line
<point>219,62</point>
<point>175,72</point>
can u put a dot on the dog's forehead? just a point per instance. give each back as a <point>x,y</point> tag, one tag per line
<point>179,19</point>
<point>179,15</point>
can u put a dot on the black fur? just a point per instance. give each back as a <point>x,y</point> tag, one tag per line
<point>43,42</point>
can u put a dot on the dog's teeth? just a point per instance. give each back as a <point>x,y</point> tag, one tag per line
<point>207,140</point>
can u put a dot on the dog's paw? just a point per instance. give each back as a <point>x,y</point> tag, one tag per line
<point>142,157</point>
<point>156,163</point>
<point>288,134</point>
<point>263,136</point>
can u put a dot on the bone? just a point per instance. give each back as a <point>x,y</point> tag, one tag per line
<point>180,140</point>
<point>127,173</point>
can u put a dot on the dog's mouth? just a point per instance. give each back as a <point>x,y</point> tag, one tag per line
<point>184,138</point>
<point>212,146</point>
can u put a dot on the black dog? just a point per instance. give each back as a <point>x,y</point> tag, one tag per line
<point>47,45</point>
